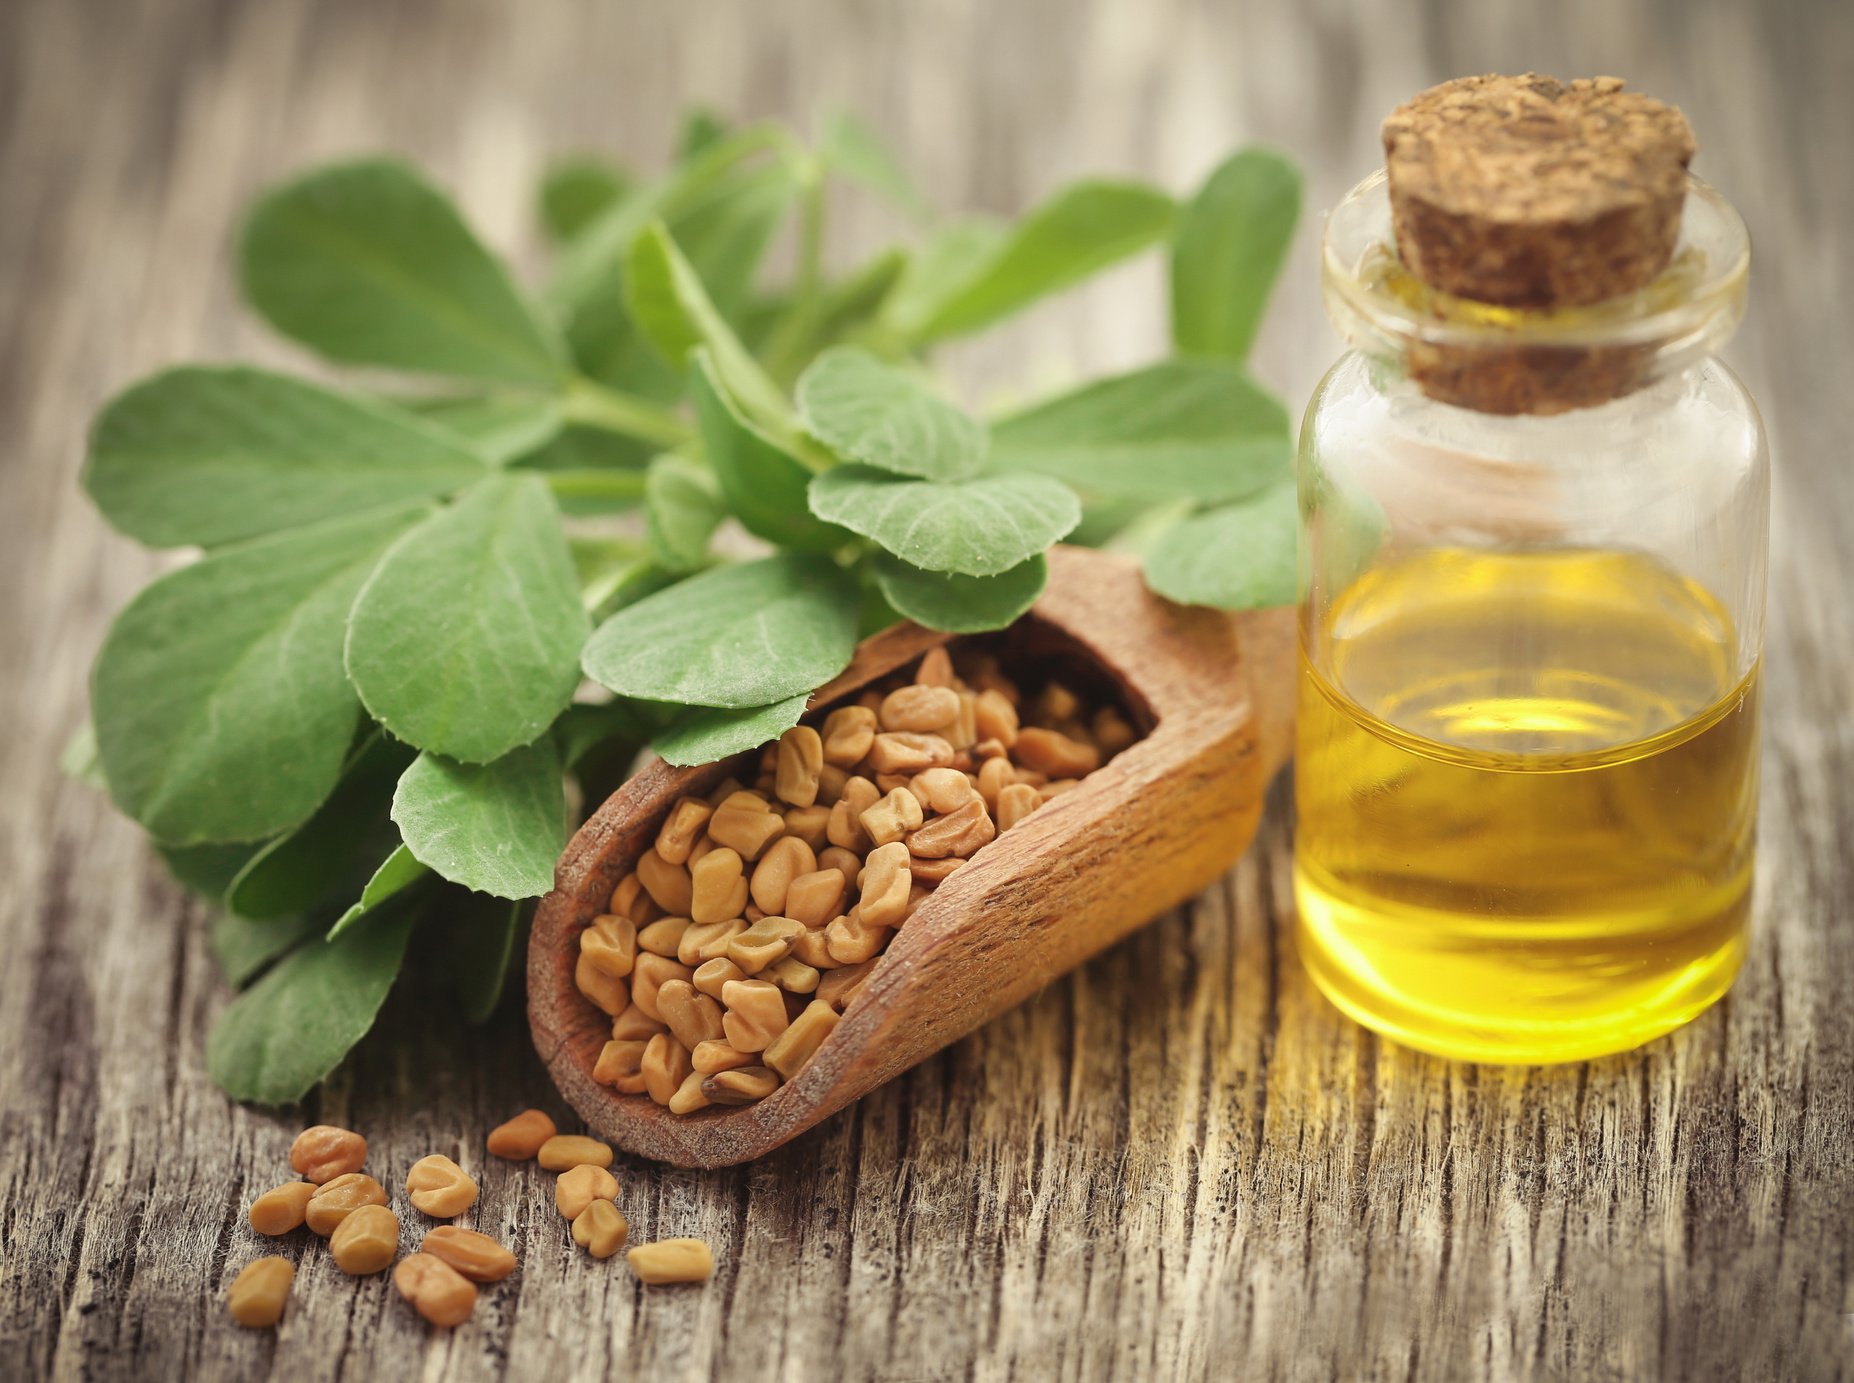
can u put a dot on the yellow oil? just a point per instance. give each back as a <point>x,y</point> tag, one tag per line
<point>1527,791</point>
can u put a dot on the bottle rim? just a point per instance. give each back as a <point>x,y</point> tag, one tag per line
<point>1677,318</point>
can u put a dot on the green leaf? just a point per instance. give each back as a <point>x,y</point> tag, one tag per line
<point>737,636</point>
<point>851,147</point>
<point>575,192</point>
<point>209,455</point>
<point>1239,557</point>
<point>290,1029</point>
<point>853,300</point>
<point>961,604</point>
<point>465,641</point>
<point>614,572</point>
<point>726,228</point>
<point>368,264</point>
<point>764,483</point>
<point>977,527</point>
<point>207,870</point>
<point>1082,229</point>
<point>496,827</point>
<point>705,733</point>
<point>242,947</point>
<point>869,411</point>
<point>302,867</point>
<point>682,509</point>
<point>222,710</point>
<point>78,759</point>
<point>701,130</point>
<point>586,726</point>
<point>482,932</point>
<point>1181,429</point>
<point>500,428</point>
<point>397,872</point>
<point>591,492</point>
<point>1227,252</point>
<point>949,259</point>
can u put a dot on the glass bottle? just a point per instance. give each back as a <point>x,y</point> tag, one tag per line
<point>1528,730</point>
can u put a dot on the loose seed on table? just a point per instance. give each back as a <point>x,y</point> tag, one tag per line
<point>566,1150</point>
<point>439,1187</point>
<point>260,1291</point>
<point>800,761</point>
<point>281,1209</point>
<point>578,1187</point>
<point>366,1242</point>
<point>325,1152</point>
<point>473,1254</point>
<point>521,1137</point>
<point>600,1229</point>
<point>801,1039</point>
<point>335,1200</point>
<point>672,1260</point>
<point>437,1291</point>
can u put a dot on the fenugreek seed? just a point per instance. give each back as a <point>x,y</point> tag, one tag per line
<point>711,975</point>
<point>809,824</point>
<point>610,945</point>
<point>936,669</point>
<point>578,1187</point>
<point>634,1025</point>
<point>745,800</point>
<point>989,749</point>
<point>813,949</point>
<point>335,1200</point>
<point>792,974</point>
<point>892,817</point>
<point>629,900</point>
<point>651,974</point>
<point>689,1097</point>
<point>666,1066</point>
<point>663,937</point>
<point>611,995</point>
<point>942,789</point>
<point>830,786</point>
<point>745,830</point>
<point>844,829</point>
<point>1055,787</point>
<point>765,943</point>
<point>892,782</point>
<point>565,1150</point>
<point>884,882</point>
<point>437,1291</point>
<point>439,1187</point>
<point>800,760</point>
<point>932,872</point>
<point>994,776</point>
<point>847,733</point>
<point>521,1137</point>
<point>1015,803</point>
<point>962,833</point>
<point>1054,753</point>
<point>260,1290</point>
<point>473,1254</point>
<point>963,732</point>
<point>712,1057</point>
<point>723,790</point>
<point>705,941</point>
<point>995,718</point>
<point>755,1014</point>
<point>785,860</point>
<point>666,883</point>
<point>366,1242</point>
<point>919,708</point>
<point>719,891</point>
<point>846,862</point>
<point>1030,777</point>
<point>742,1086</point>
<point>693,1017</point>
<point>618,1061</point>
<point>325,1152</point>
<point>699,851</point>
<point>1056,703</point>
<point>681,828</point>
<point>672,1260</point>
<point>815,898</point>
<point>801,1039</point>
<point>1111,730</point>
<point>752,913</point>
<point>838,987</point>
<point>600,1229</point>
<point>281,1209</point>
<point>852,940</point>
<point>903,751</point>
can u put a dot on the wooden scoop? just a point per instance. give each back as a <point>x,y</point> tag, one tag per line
<point>1144,832</point>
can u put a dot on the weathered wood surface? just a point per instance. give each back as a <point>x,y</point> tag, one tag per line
<point>1179,1162</point>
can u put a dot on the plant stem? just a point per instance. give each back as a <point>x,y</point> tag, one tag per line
<point>595,405</point>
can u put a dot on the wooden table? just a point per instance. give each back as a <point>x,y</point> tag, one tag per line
<point>1178,1162</point>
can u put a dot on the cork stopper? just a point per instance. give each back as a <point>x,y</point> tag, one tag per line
<point>1530,192</point>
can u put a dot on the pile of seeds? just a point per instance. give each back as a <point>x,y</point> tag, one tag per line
<point>732,950</point>
<point>343,1205</point>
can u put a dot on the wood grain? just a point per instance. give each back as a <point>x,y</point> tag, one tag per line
<point>1177,1162</point>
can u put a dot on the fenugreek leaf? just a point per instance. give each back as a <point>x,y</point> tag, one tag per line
<point>368,264</point>
<point>764,483</point>
<point>78,760</point>
<point>204,455</point>
<point>1182,429</point>
<point>950,256</point>
<point>960,604</point>
<point>397,872</point>
<point>1227,252</point>
<point>497,427</point>
<point>705,733</point>
<point>482,933</point>
<point>869,411</point>
<point>1237,557</point>
<point>496,828</point>
<point>851,147</point>
<point>739,636</point>
<point>575,192</point>
<point>682,509</point>
<point>980,526</point>
<point>701,130</point>
<point>1082,229</point>
<point>294,1026</point>
<point>207,870</point>
<point>242,946</point>
<point>222,710</point>
<point>465,640</point>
